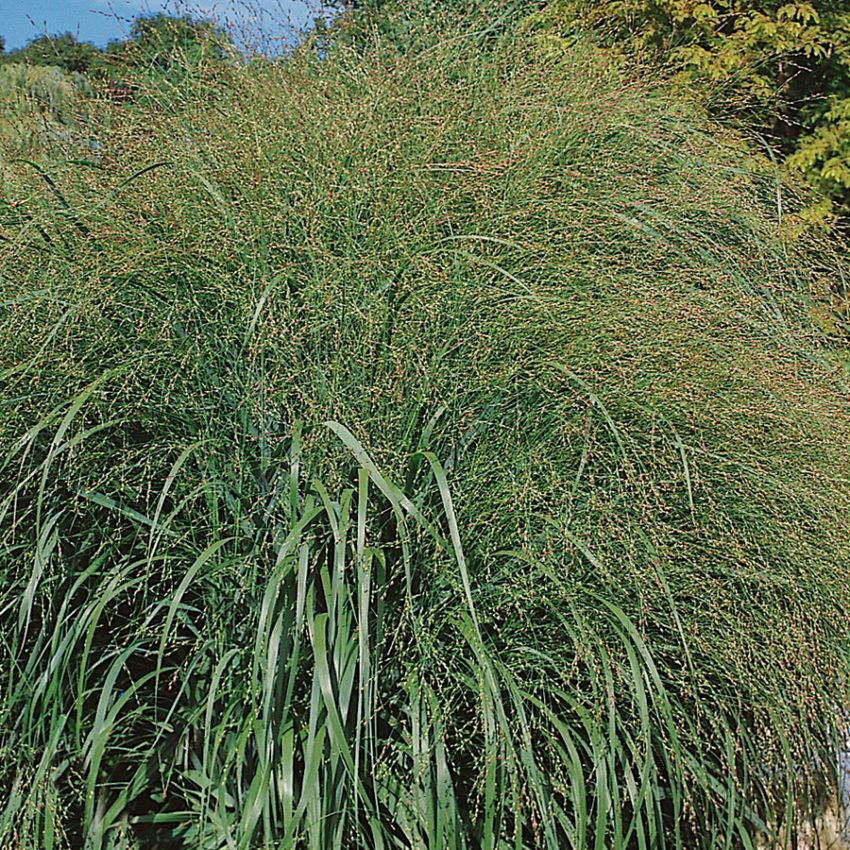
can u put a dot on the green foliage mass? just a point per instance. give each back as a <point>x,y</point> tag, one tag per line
<point>157,43</point>
<point>415,450</point>
<point>61,51</point>
<point>164,42</point>
<point>784,66</point>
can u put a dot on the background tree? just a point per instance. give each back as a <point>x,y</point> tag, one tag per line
<point>162,41</point>
<point>62,51</point>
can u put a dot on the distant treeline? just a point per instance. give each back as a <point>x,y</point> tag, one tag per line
<point>155,42</point>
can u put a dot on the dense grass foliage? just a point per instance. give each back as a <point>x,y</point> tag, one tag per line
<point>427,450</point>
<point>41,107</point>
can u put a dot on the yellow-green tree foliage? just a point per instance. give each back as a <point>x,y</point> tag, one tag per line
<point>786,65</point>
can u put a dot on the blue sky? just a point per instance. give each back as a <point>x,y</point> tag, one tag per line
<point>100,21</point>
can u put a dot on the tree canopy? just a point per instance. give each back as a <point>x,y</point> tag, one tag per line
<point>63,51</point>
<point>160,40</point>
<point>157,41</point>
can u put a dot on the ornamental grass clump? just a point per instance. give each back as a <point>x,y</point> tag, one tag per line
<point>415,451</point>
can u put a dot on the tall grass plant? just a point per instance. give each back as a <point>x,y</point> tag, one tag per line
<point>424,450</point>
